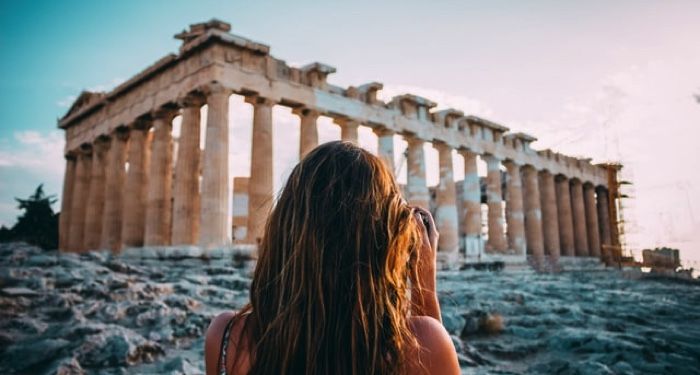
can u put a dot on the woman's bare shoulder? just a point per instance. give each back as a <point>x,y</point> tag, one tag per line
<point>437,354</point>
<point>214,337</point>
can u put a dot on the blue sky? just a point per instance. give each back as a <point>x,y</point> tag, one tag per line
<point>609,80</point>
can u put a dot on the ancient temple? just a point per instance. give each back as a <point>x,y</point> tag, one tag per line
<point>124,185</point>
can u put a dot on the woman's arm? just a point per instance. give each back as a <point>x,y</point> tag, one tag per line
<point>424,299</point>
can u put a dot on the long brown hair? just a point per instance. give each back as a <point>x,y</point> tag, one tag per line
<point>330,289</point>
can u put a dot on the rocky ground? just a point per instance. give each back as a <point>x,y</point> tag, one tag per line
<point>94,313</point>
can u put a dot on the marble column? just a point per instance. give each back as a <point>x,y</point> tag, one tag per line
<point>497,239</point>
<point>158,199</point>
<point>80,192</point>
<point>579,215</point>
<point>533,213</point>
<point>136,184</point>
<point>385,147</point>
<point>471,206</point>
<point>186,187</point>
<point>66,202</point>
<point>565,217</point>
<point>114,195</point>
<point>446,202</point>
<point>592,227</point>
<point>550,219</point>
<point>604,223</point>
<point>515,218</point>
<point>260,194</point>
<point>215,194</point>
<point>348,129</point>
<point>96,194</point>
<point>308,130</point>
<point>416,185</point>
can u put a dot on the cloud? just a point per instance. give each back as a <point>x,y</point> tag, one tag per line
<point>28,159</point>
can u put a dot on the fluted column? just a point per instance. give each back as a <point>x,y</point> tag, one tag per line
<point>186,187</point>
<point>66,202</point>
<point>565,217</point>
<point>158,201</point>
<point>136,184</point>
<point>497,239</point>
<point>260,184</point>
<point>533,213</point>
<point>604,223</point>
<point>579,215</point>
<point>215,196</point>
<point>515,218</point>
<point>592,227</point>
<point>385,146</point>
<point>114,194</point>
<point>96,194</point>
<point>79,203</point>
<point>348,129</point>
<point>550,220</point>
<point>446,202</point>
<point>308,130</point>
<point>471,205</point>
<point>416,186</point>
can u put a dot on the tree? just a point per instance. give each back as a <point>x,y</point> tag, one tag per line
<point>38,224</point>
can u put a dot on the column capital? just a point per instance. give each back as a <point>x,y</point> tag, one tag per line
<point>441,146</point>
<point>167,112</point>
<point>306,112</point>
<point>546,172</point>
<point>382,131</point>
<point>257,100</point>
<point>346,122</point>
<point>142,123</point>
<point>101,143</point>
<point>121,133</point>
<point>213,88</point>
<point>491,158</point>
<point>413,139</point>
<point>466,153</point>
<point>192,99</point>
<point>85,149</point>
<point>511,163</point>
<point>70,155</point>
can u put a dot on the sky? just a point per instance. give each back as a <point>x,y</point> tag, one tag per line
<point>610,80</point>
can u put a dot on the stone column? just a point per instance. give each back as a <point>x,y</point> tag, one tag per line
<point>416,186</point>
<point>80,192</point>
<point>604,223</point>
<point>66,203</point>
<point>348,129</point>
<point>215,196</point>
<point>579,215</point>
<point>240,208</point>
<point>308,130</point>
<point>550,219</point>
<point>446,202</point>
<point>260,183</point>
<point>515,218</point>
<point>591,220</point>
<point>497,240</point>
<point>96,194</point>
<point>533,214</point>
<point>186,187</point>
<point>471,205</point>
<point>114,199</point>
<point>385,147</point>
<point>136,185</point>
<point>565,216</point>
<point>158,200</point>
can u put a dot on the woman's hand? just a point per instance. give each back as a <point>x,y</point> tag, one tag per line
<point>423,293</point>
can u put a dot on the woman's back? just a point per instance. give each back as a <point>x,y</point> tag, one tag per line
<point>228,354</point>
<point>345,278</point>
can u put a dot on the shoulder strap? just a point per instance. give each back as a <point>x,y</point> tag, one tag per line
<point>224,346</point>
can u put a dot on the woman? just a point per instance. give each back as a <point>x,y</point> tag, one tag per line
<point>344,283</point>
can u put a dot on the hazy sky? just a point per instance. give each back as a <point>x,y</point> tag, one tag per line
<point>612,80</point>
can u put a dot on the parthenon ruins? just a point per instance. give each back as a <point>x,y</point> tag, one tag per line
<point>126,184</point>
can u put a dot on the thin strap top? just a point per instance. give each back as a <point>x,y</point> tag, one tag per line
<point>224,348</point>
